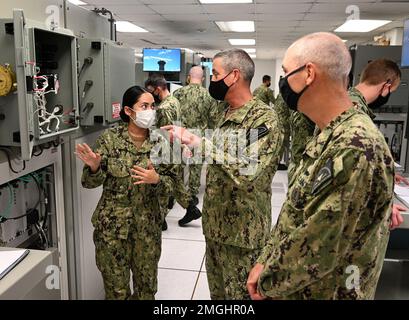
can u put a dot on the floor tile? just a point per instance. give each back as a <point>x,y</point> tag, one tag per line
<point>182,254</point>
<point>202,288</point>
<point>175,284</point>
<point>192,231</point>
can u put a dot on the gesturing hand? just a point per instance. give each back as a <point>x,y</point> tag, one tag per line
<point>185,137</point>
<point>85,153</point>
<point>142,175</point>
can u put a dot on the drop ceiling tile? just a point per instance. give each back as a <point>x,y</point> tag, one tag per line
<point>275,23</point>
<point>236,8</point>
<point>135,18</point>
<point>173,1</point>
<point>279,16</point>
<point>283,8</point>
<point>186,17</point>
<point>230,16</point>
<point>177,9</point>
<point>337,7</point>
<point>131,9</point>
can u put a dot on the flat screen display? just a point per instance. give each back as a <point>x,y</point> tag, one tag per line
<point>162,60</point>
<point>208,64</point>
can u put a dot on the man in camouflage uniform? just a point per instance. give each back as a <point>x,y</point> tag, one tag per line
<point>167,113</point>
<point>264,93</point>
<point>195,109</point>
<point>237,201</point>
<point>168,109</point>
<point>332,233</point>
<point>379,78</point>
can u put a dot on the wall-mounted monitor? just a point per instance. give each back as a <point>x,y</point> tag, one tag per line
<point>208,64</point>
<point>405,46</point>
<point>161,60</point>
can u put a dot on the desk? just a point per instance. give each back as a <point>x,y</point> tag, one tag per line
<point>28,279</point>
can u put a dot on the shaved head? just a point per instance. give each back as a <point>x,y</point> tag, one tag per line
<point>196,73</point>
<point>325,50</point>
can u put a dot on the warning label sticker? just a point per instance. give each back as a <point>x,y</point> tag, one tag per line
<point>116,109</point>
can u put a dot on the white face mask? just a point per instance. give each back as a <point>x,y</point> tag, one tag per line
<point>144,119</point>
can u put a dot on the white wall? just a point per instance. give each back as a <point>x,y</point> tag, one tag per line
<point>263,67</point>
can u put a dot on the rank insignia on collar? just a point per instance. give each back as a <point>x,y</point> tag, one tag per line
<point>323,177</point>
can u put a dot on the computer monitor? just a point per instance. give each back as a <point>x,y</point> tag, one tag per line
<point>208,64</point>
<point>161,60</point>
<point>405,46</point>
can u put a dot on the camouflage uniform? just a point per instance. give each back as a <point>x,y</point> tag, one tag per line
<point>237,207</point>
<point>360,102</point>
<point>301,131</point>
<point>195,106</point>
<point>167,113</point>
<point>265,94</point>
<point>284,114</point>
<point>128,218</point>
<point>336,215</point>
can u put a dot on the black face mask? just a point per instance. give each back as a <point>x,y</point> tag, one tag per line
<point>380,101</point>
<point>156,97</point>
<point>289,95</point>
<point>218,89</point>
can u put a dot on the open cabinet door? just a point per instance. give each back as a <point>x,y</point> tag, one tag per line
<point>25,106</point>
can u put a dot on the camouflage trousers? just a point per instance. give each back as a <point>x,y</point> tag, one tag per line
<point>193,183</point>
<point>139,253</point>
<point>227,269</point>
<point>167,199</point>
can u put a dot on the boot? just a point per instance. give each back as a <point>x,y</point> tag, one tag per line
<point>164,225</point>
<point>192,213</point>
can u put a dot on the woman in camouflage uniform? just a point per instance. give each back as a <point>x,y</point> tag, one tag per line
<point>128,219</point>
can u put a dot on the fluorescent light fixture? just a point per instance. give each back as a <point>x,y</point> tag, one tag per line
<point>242,42</point>
<point>78,2</point>
<point>344,40</point>
<point>361,25</point>
<point>236,26</point>
<point>224,1</point>
<point>253,56</point>
<point>249,50</point>
<point>126,26</point>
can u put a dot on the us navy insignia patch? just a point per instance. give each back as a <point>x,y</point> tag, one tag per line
<point>261,132</point>
<point>324,176</point>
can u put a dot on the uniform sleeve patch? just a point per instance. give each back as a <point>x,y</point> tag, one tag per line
<point>261,132</point>
<point>324,176</point>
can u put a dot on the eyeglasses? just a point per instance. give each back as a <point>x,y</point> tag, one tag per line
<point>294,72</point>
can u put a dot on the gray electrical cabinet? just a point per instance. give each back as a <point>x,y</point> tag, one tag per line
<point>106,72</point>
<point>38,91</point>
